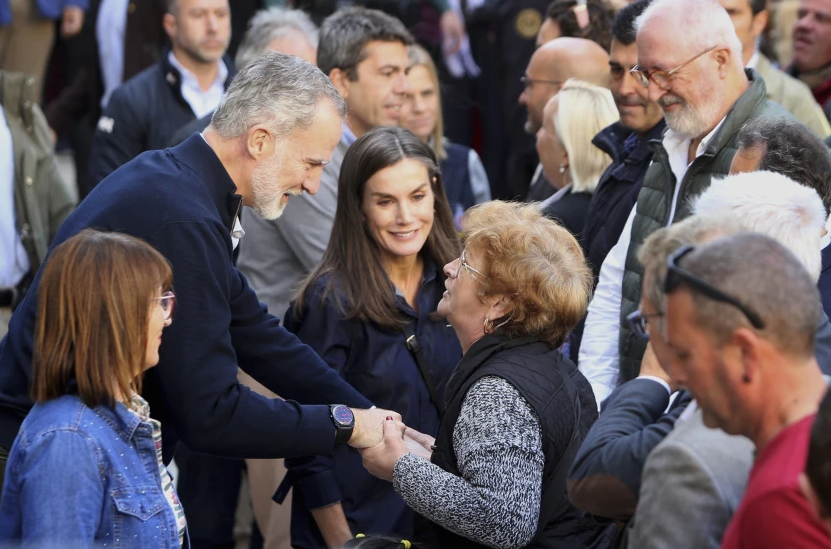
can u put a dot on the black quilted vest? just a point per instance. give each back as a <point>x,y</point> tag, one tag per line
<point>537,372</point>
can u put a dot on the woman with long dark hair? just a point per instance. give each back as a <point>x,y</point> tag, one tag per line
<point>367,309</point>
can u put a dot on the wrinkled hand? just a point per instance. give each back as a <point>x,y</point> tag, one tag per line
<point>369,427</point>
<point>419,443</point>
<point>651,367</point>
<point>380,460</point>
<point>452,31</point>
<point>73,20</point>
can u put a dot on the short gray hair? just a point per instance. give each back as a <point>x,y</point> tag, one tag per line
<point>767,278</point>
<point>345,33</point>
<point>278,90</point>
<point>706,24</point>
<point>269,25</point>
<point>659,245</point>
<point>789,148</point>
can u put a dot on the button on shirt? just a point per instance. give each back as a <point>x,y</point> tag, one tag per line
<point>109,32</point>
<point>14,263</point>
<point>599,357</point>
<point>201,102</point>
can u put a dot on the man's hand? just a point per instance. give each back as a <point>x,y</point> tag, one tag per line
<point>651,367</point>
<point>73,20</point>
<point>369,427</point>
<point>452,32</point>
<point>380,460</point>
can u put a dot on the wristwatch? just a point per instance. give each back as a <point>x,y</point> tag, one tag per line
<point>344,421</point>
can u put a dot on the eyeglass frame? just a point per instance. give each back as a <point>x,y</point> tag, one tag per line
<point>467,267</point>
<point>528,82</point>
<point>168,295</point>
<point>637,322</point>
<point>677,276</point>
<point>644,77</point>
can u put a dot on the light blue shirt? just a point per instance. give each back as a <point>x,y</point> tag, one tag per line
<point>109,32</point>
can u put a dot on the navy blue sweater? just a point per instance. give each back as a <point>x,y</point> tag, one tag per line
<point>182,201</point>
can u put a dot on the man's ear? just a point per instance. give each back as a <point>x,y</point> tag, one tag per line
<point>259,142</point>
<point>170,25</point>
<point>341,81</point>
<point>748,344</point>
<point>723,58</point>
<point>760,21</point>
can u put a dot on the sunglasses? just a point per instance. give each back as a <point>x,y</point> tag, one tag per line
<point>662,78</point>
<point>676,276</point>
<point>637,323</point>
<point>167,301</point>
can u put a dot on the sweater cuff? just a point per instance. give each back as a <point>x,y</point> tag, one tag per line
<point>316,430</point>
<point>320,490</point>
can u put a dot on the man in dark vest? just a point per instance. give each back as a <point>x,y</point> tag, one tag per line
<point>700,82</point>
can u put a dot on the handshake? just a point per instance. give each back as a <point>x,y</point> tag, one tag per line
<point>383,439</point>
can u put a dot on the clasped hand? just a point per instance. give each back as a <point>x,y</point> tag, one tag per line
<point>398,441</point>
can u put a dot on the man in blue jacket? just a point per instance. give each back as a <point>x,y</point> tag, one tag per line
<point>269,139</point>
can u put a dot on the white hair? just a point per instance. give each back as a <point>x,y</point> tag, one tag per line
<point>696,24</point>
<point>270,24</point>
<point>584,110</point>
<point>774,205</point>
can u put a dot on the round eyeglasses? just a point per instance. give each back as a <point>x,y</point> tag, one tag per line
<point>466,266</point>
<point>167,301</point>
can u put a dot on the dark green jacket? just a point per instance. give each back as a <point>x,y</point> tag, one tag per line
<point>42,199</point>
<point>655,199</point>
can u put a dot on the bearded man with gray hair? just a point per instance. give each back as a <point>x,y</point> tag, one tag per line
<point>270,137</point>
<point>698,79</point>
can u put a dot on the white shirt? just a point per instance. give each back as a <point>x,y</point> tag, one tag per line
<point>109,32</point>
<point>599,358</point>
<point>14,263</point>
<point>201,102</point>
<point>754,60</point>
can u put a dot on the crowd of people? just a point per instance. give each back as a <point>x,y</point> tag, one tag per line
<point>420,274</point>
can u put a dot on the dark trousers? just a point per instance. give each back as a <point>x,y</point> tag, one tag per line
<point>208,488</point>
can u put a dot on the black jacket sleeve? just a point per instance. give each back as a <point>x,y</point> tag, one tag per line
<point>605,478</point>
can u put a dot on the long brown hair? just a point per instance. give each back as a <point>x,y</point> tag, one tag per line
<point>353,258</point>
<point>94,302</point>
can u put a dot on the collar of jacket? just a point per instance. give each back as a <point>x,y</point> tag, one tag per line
<point>17,93</point>
<point>610,140</point>
<point>479,353</point>
<point>173,77</point>
<point>201,158</point>
<point>738,114</point>
<point>118,417</point>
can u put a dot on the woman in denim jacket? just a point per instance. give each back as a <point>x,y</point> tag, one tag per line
<point>86,466</point>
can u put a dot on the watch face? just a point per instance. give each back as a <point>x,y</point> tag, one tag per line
<point>343,415</point>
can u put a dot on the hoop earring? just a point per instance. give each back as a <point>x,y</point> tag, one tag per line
<point>488,326</point>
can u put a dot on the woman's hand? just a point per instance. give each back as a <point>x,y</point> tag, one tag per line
<point>380,460</point>
<point>419,443</point>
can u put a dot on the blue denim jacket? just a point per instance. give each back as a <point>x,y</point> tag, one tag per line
<point>78,475</point>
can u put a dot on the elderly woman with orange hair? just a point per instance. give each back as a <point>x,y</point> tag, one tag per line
<point>516,409</point>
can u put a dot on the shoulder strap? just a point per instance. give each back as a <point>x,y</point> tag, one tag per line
<point>415,349</point>
<point>557,486</point>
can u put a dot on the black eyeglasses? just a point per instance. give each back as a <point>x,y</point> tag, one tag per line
<point>637,323</point>
<point>677,276</point>
<point>528,82</point>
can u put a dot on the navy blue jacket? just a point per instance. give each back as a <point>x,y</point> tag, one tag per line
<point>143,114</point>
<point>617,191</point>
<point>605,478</point>
<point>183,202</point>
<point>824,283</point>
<point>455,173</point>
<point>48,9</point>
<point>377,363</point>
